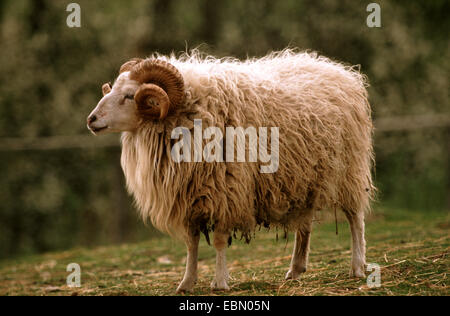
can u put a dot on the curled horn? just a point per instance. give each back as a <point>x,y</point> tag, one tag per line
<point>130,64</point>
<point>162,87</point>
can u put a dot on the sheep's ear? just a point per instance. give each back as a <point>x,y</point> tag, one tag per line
<point>106,88</point>
<point>152,102</point>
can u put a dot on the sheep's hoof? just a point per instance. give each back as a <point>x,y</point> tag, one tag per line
<point>219,285</point>
<point>289,275</point>
<point>185,286</point>
<point>294,274</point>
<point>357,271</point>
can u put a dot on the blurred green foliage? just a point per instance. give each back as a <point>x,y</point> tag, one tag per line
<point>51,76</point>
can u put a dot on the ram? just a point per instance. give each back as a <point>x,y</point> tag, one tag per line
<point>320,109</point>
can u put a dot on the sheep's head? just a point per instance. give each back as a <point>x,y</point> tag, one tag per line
<point>144,90</point>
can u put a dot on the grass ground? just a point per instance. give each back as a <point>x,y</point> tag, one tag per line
<point>412,249</point>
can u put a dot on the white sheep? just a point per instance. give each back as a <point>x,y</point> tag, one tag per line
<point>325,151</point>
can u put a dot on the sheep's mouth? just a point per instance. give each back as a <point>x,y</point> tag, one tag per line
<point>99,129</point>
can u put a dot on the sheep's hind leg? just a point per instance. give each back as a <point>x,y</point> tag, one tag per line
<point>221,278</point>
<point>190,276</point>
<point>300,254</point>
<point>356,221</point>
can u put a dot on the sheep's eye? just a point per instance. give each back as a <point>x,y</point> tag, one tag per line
<point>129,96</point>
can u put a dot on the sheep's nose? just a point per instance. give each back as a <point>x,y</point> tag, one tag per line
<point>91,119</point>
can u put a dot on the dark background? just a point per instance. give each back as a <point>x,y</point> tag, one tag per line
<point>62,188</point>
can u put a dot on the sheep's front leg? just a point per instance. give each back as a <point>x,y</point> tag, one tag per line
<point>356,221</point>
<point>300,254</point>
<point>190,276</point>
<point>299,259</point>
<point>221,278</point>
